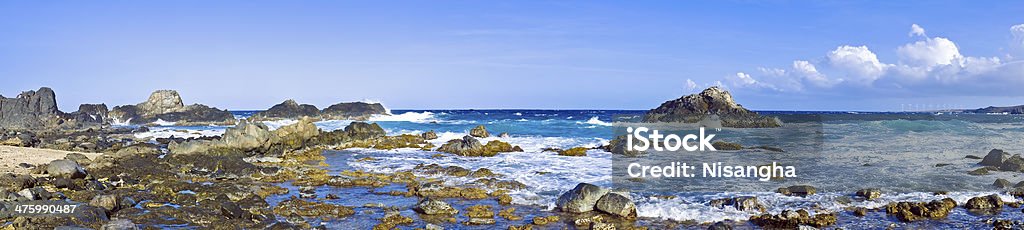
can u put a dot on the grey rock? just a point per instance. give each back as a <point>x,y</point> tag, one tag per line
<point>119,224</point>
<point>429,135</point>
<point>616,203</point>
<point>167,106</point>
<point>30,110</point>
<point>434,207</point>
<point>1001,183</point>
<point>696,108</point>
<point>65,168</point>
<point>995,158</point>
<point>109,202</point>
<point>1013,164</point>
<point>743,203</point>
<point>580,199</point>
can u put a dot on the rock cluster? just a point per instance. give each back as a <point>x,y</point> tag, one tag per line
<point>914,211</point>
<point>587,197</point>
<point>254,136</point>
<point>167,106</point>
<point>289,109</point>
<point>698,107</point>
<point>997,159</point>
<point>469,146</point>
<point>790,219</point>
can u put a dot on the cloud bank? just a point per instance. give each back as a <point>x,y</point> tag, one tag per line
<point>927,66</point>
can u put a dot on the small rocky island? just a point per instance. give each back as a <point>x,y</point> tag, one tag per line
<point>166,107</point>
<point>698,107</point>
<point>289,109</point>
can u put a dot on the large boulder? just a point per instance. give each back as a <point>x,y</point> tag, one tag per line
<point>984,202</point>
<point>914,211</point>
<point>434,207</point>
<point>295,135</point>
<point>995,158</point>
<point>30,110</point>
<point>617,203</point>
<point>165,106</point>
<point>467,146</point>
<point>288,109</point>
<point>580,199</point>
<point>697,108</point>
<point>65,168</point>
<point>353,111</point>
<point>1013,164</point>
<point>479,131</point>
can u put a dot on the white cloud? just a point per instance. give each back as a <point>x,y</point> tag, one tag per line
<point>928,65</point>
<point>916,30</point>
<point>690,85</point>
<point>860,64</point>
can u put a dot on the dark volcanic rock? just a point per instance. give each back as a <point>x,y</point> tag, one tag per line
<point>353,111</point>
<point>90,113</point>
<point>995,158</point>
<point>29,110</point>
<point>288,109</point>
<point>166,106</point>
<point>695,108</point>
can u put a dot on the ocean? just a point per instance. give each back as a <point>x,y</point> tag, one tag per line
<point>910,156</point>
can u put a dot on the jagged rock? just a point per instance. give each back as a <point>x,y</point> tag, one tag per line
<point>479,131</point>
<point>434,207</point>
<point>617,203</point>
<point>353,111</point>
<point>914,211</point>
<point>995,158</point>
<point>166,106</point>
<point>30,110</point>
<point>1001,183</point>
<point>65,168</point>
<point>1013,164</point>
<point>743,203</point>
<point>790,219</point>
<point>580,199</point>
<point>429,135</point>
<point>288,109</point>
<point>91,113</point>
<point>696,108</point>
<point>251,136</point>
<point>869,193</point>
<point>984,202</point>
<point>469,146</point>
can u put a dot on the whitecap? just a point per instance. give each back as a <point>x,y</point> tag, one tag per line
<point>595,121</point>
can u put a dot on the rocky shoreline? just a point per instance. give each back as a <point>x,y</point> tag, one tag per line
<point>253,177</point>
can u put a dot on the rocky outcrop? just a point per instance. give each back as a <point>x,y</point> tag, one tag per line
<point>479,131</point>
<point>30,110</point>
<point>166,106</point>
<point>434,207</point>
<point>288,109</point>
<point>251,137</point>
<point>914,211</point>
<point>90,113</point>
<point>696,108</point>
<point>984,202</point>
<point>471,147</point>
<point>995,157</point>
<point>353,111</point>
<point>790,219</point>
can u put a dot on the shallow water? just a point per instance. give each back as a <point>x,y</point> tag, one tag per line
<point>895,152</point>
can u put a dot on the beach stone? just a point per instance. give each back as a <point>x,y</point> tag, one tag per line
<point>1013,164</point>
<point>109,202</point>
<point>984,202</point>
<point>479,131</point>
<point>995,158</point>
<point>580,199</point>
<point>429,135</point>
<point>65,168</point>
<point>35,194</point>
<point>869,193</point>
<point>20,182</point>
<point>1001,183</point>
<point>617,203</point>
<point>119,224</point>
<point>78,158</point>
<point>434,207</point>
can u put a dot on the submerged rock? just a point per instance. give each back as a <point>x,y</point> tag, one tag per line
<point>743,203</point>
<point>869,193</point>
<point>580,199</point>
<point>574,152</point>
<point>723,145</point>
<point>429,135</point>
<point>695,108</point>
<point>798,190</point>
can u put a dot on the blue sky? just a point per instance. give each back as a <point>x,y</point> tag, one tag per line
<point>518,54</point>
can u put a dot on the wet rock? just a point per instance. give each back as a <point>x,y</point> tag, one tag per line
<point>984,202</point>
<point>231,210</point>
<point>798,190</point>
<point>65,168</point>
<point>860,211</point>
<point>995,158</point>
<point>870,193</point>
<point>1001,183</point>
<point>479,131</point>
<point>503,135</point>
<point>980,171</point>
<point>743,203</point>
<point>480,215</point>
<point>545,220</point>
<point>353,111</point>
<point>580,199</point>
<point>36,193</point>
<point>914,211</point>
<point>435,207</point>
<point>720,225</point>
<point>429,135</point>
<point>391,220</point>
<point>1013,164</point>
<point>790,219</point>
<point>726,146</point>
<point>973,157</point>
<point>618,146</point>
<point>574,152</point>
<point>617,203</point>
<point>1007,224</point>
<point>467,146</point>
<point>109,202</point>
<point>714,101</point>
<point>509,214</point>
<point>331,196</point>
<point>119,224</point>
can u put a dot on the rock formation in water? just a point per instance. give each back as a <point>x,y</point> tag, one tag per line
<point>353,111</point>
<point>712,101</point>
<point>166,106</point>
<point>288,109</point>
